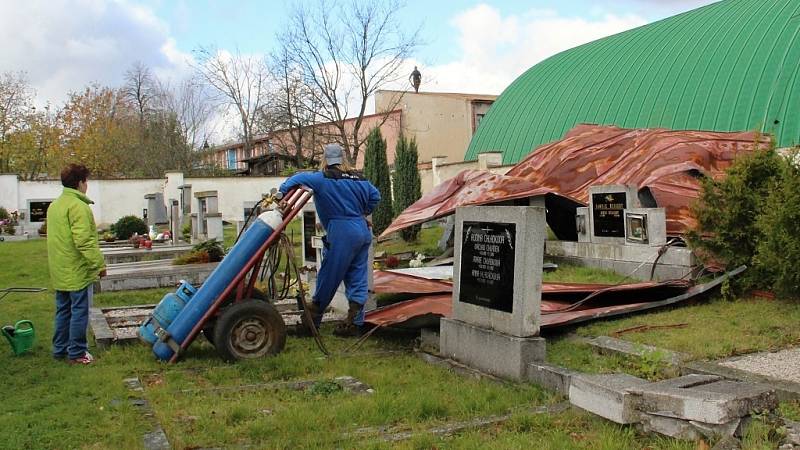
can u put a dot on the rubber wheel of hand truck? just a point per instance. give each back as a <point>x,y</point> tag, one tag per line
<point>208,329</point>
<point>248,330</point>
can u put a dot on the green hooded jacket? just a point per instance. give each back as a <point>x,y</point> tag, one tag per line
<point>73,253</point>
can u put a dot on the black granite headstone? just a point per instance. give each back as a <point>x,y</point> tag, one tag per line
<point>608,214</point>
<point>487,265</point>
<point>38,211</point>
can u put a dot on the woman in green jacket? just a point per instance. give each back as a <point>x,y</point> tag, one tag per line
<point>75,262</point>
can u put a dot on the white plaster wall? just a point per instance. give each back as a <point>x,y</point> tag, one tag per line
<point>9,191</point>
<point>233,192</point>
<point>116,198</point>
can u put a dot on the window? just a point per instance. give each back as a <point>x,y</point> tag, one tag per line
<point>231,159</point>
<point>478,118</point>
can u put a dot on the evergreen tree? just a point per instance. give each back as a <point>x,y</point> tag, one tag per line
<point>407,184</point>
<point>376,170</point>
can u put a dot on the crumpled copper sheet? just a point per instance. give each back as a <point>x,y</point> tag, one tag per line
<point>561,304</point>
<point>667,163</point>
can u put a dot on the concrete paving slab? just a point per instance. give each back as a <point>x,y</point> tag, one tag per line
<point>783,365</point>
<point>717,402</point>
<point>607,396</point>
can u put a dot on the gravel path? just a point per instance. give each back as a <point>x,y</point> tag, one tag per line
<point>784,364</point>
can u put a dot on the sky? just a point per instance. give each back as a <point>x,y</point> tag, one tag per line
<point>468,46</point>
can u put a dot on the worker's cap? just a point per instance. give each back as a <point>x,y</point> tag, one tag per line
<point>333,154</point>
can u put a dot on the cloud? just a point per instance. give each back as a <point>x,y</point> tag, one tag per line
<point>63,46</point>
<point>495,49</point>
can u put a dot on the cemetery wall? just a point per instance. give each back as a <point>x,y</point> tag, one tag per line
<point>116,198</point>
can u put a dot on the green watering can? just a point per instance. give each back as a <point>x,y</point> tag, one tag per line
<point>20,336</point>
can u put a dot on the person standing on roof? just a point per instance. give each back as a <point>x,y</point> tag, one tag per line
<point>343,199</point>
<point>75,262</point>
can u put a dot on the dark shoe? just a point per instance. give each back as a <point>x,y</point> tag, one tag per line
<point>348,328</point>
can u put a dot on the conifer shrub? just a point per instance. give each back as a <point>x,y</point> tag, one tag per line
<point>407,183</point>
<point>376,170</point>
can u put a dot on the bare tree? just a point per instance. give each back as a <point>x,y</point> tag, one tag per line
<point>140,88</point>
<point>346,52</point>
<point>189,102</point>
<point>292,110</point>
<point>15,104</point>
<point>240,82</point>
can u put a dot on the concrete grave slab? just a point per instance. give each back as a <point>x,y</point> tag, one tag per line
<point>551,377</point>
<point>130,254</point>
<point>715,402</point>
<point>152,274</point>
<point>610,345</point>
<point>607,396</point>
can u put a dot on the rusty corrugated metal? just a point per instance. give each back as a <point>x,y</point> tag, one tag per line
<point>664,163</point>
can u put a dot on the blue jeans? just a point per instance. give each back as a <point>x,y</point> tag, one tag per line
<point>72,317</point>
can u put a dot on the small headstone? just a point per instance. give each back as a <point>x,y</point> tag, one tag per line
<point>606,209</point>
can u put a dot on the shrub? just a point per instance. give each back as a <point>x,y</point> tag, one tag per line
<point>213,247</point>
<point>407,184</point>
<point>43,229</point>
<point>4,215</point>
<point>376,170</point>
<point>778,251</point>
<point>9,229</point>
<point>127,226</point>
<point>727,212</point>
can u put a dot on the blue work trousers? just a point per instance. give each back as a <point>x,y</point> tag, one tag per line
<point>345,257</point>
<point>72,317</point>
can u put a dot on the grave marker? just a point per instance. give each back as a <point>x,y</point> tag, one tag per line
<point>497,294</point>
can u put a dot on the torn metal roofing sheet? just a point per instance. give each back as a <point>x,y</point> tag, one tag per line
<point>666,165</point>
<point>562,303</point>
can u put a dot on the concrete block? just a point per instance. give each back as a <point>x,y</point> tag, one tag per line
<point>669,426</point>
<point>718,402</point>
<point>607,396</point>
<point>551,377</point>
<point>429,340</point>
<point>610,345</point>
<point>489,351</point>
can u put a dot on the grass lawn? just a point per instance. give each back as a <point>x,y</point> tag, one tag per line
<point>52,405</point>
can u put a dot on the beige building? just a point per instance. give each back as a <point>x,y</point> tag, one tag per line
<point>442,123</point>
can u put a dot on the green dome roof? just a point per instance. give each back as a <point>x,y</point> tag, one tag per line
<point>729,66</point>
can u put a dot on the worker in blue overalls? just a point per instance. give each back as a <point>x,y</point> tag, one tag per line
<point>343,199</point>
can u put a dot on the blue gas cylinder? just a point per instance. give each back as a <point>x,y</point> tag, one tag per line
<point>216,283</point>
<point>166,311</point>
